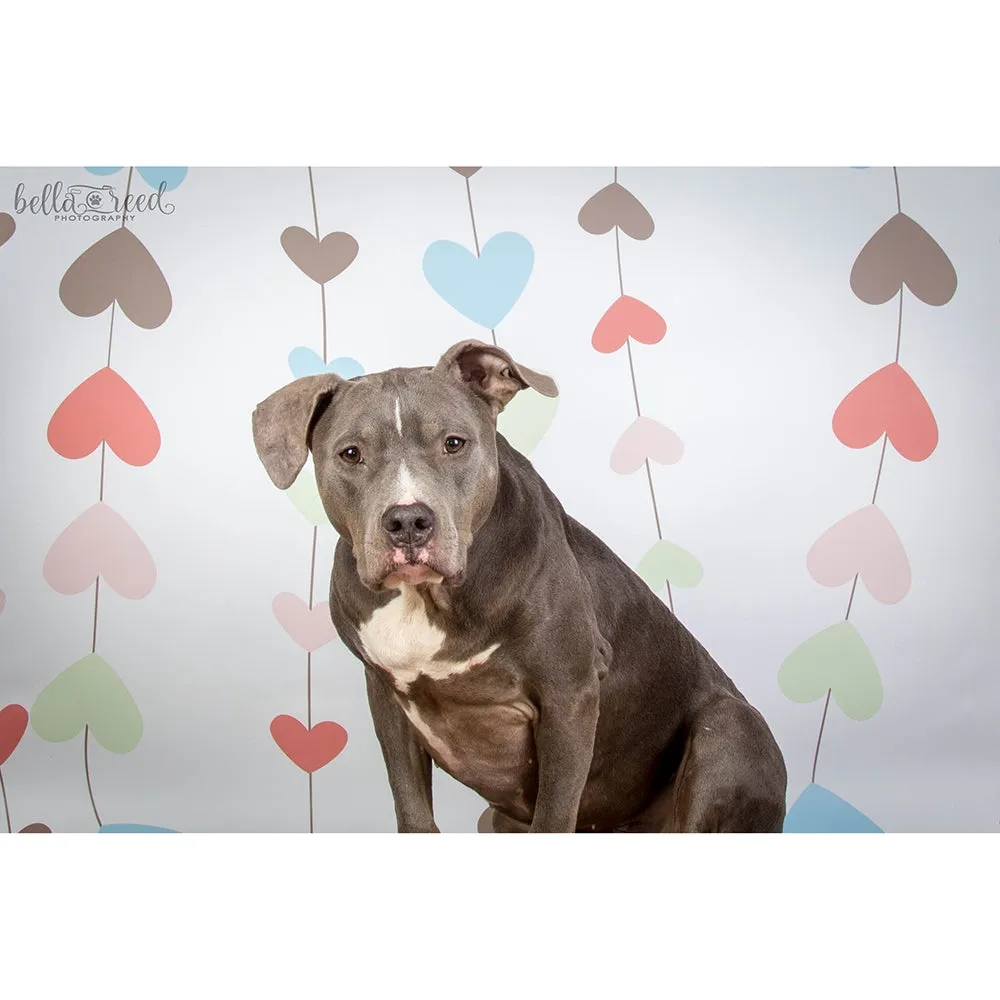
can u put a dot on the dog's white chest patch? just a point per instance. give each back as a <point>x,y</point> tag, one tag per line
<point>400,638</point>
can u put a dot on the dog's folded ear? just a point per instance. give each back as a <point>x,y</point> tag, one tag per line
<point>492,373</point>
<point>282,425</point>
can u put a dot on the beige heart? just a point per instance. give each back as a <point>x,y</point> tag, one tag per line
<point>320,260</point>
<point>7,227</point>
<point>903,252</point>
<point>613,206</point>
<point>466,172</point>
<point>117,266</point>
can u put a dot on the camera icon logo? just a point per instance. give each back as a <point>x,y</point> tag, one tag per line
<point>97,200</point>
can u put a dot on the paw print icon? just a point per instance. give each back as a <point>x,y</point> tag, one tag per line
<point>97,200</point>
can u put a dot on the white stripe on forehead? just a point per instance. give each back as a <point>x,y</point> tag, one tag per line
<point>399,418</point>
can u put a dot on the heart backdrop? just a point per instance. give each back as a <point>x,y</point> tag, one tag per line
<point>100,543</point>
<point>526,418</point>
<point>117,266</point>
<point>484,288</point>
<point>628,317</point>
<point>311,628</point>
<point>866,544</point>
<point>903,252</point>
<point>321,260</point>
<point>104,407</point>
<point>645,438</point>
<point>887,402</point>
<point>838,660</point>
<point>304,361</point>
<point>613,206</point>
<point>88,693</point>
<point>818,810</point>
<point>7,227</point>
<point>13,723</point>
<point>667,562</point>
<point>309,749</point>
<point>304,494</point>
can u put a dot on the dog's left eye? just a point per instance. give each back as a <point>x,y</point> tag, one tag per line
<point>453,444</point>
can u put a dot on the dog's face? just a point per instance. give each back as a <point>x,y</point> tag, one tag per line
<point>406,460</point>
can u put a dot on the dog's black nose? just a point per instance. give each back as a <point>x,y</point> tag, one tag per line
<point>409,525</point>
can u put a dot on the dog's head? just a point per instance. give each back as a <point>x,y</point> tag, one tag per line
<point>406,460</point>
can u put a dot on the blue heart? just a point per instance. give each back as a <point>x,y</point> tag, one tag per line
<point>133,828</point>
<point>171,177</point>
<point>485,288</point>
<point>305,361</point>
<point>818,810</point>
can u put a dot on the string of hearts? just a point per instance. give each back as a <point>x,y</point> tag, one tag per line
<point>484,288</point>
<point>13,718</point>
<point>308,624</point>
<point>627,319</point>
<point>116,272</point>
<point>888,406</point>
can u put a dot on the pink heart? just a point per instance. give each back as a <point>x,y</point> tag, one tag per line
<point>627,317</point>
<point>645,438</point>
<point>863,543</point>
<point>3,601</point>
<point>100,542</point>
<point>310,628</point>
<point>309,749</point>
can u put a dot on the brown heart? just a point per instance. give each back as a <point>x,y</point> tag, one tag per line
<point>322,259</point>
<point>485,822</point>
<point>613,206</point>
<point>466,171</point>
<point>35,828</point>
<point>7,227</point>
<point>117,266</point>
<point>903,252</point>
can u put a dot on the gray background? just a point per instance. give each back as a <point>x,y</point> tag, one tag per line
<point>750,269</point>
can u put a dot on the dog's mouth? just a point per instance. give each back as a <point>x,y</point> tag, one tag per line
<point>417,565</point>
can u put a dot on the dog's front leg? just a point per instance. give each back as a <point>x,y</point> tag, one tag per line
<point>564,740</point>
<point>406,762</point>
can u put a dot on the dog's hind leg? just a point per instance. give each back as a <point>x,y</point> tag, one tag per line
<point>732,777</point>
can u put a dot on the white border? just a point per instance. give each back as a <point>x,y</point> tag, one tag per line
<point>471,916</point>
<point>856,82</point>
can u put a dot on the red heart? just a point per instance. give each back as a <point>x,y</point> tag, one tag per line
<point>13,722</point>
<point>309,749</point>
<point>628,317</point>
<point>105,407</point>
<point>887,402</point>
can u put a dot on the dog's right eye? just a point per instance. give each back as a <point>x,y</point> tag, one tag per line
<point>351,455</point>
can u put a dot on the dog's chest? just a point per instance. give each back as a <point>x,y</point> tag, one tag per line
<point>401,638</point>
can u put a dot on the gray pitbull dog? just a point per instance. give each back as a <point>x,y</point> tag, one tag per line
<point>501,639</point>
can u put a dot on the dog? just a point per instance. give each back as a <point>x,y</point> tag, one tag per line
<point>501,639</point>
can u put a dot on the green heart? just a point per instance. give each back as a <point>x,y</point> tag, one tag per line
<point>304,494</point>
<point>526,418</point>
<point>667,562</point>
<point>88,693</point>
<point>836,659</point>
